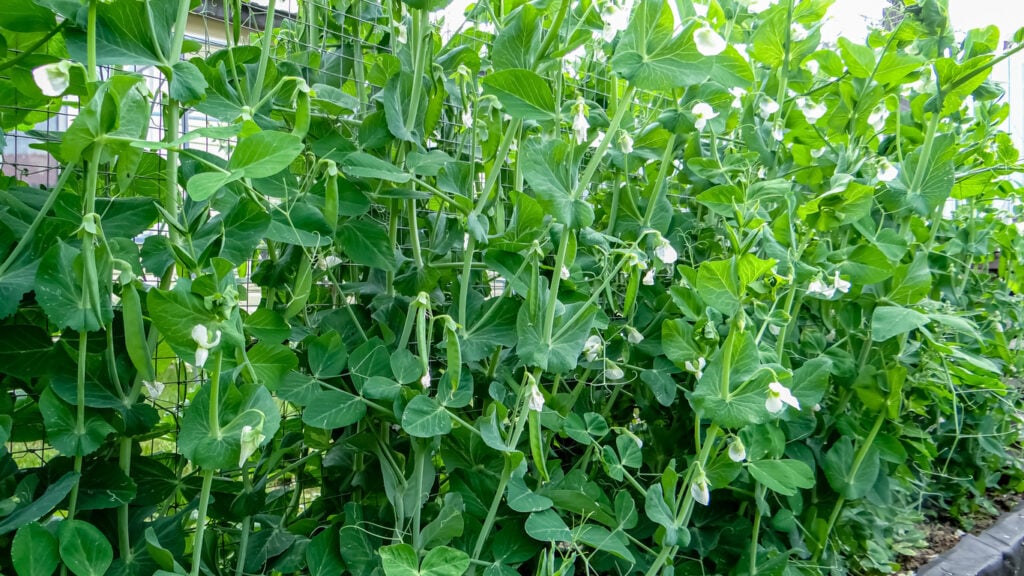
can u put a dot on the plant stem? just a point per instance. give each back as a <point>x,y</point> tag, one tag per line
<point>421,455</point>
<point>91,70</point>
<point>556,279</point>
<point>858,459</point>
<point>204,495</point>
<point>30,234</point>
<point>204,505</point>
<point>261,72</point>
<point>756,530</point>
<point>243,540</point>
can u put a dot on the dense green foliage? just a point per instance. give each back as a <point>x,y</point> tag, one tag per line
<point>565,293</point>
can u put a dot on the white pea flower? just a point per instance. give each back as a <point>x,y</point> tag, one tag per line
<point>402,34</point>
<point>467,117</point>
<point>702,112</point>
<point>737,96</point>
<point>633,335</point>
<point>564,274</point>
<point>877,117</point>
<point>53,79</point>
<point>615,20</point>
<point>700,489</point>
<point>536,400</point>
<point>612,371</point>
<point>778,131</point>
<point>709,43</point>
<point>818,152</point>
<point>648,279</point>
<point>737,451</point>
<point>886,171</point>
<point>425,380</point>
<point>201,336</point>
<point>329,261</point>
<point>778,397</point>
<point>580,126</point>
<point>696,367</point>
<point>818,287</point>
<point>154,388</point>
<point>251,440</point>
<point>625,142</point>
<point>841,285</point>
<point>767,107</point>
<point>592,348</point>
<point>757,6</point>
<point>798,33</point>
<point>813,111</point>
<point>665,252</point>
<point>813,67</point>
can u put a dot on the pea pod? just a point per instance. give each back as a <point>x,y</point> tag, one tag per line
<point>631,290</point>
<point>537,444</point>
<point>135,333</point>
<point>454,352</point>
<point>331,196</point>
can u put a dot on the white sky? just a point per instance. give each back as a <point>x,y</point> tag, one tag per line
<point>849,18</point>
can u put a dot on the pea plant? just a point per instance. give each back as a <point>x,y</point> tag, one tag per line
<point>581,288</point>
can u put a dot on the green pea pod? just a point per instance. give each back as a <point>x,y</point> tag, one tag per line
<point>300,292</point>
<point>302,114</point>
<point>422,345</point>
<point>631,290</point>
<point>454,352</point>
<point>331,197</point>
<point>537,444</point>
<point>135,333</point>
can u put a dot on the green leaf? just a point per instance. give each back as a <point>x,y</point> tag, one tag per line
<point>649,55</point>
<point>782,476</point>
<point>264,154</point>
<point>395,97</point>
<point>517,43</point>
<point>657,511</point>
<point>188,85</point>
<point>444,561</point>
<point>332,409</point>
<point>569,335</point>
<point>810,381</point>
<point>25,350</point>
<point>866,265</point>
<point>59,285</point>
<point>271,362</point>
<point>367,243</point>
<point>399,560</point>
<point>550,168</point>
<point>719,285</point>
<point>62,429</point>
<point>26,16</point>
<point>728,408</point>
<point>322,555</point>
<point>205,184</point>
<point>424,417</point>
<point>849,483</point>
<point>889,321</point>
<point>911,282</point>
<point>327,355</point>
<point>34,551</point>
<point>660,384</point>
<point>600,538</point>
<point>859,59</point>
<point>54,495</point>
<point>303,225</point>
<point>363,165</point>
<point>83,548</point>
<point>239,407</point>
<point>241,230</point>
<point>522,499</point>
<point>547,526</point>
<point>523,94</point>
<point>124,34</point>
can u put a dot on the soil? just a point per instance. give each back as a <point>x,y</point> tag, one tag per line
<point>943,533</point>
